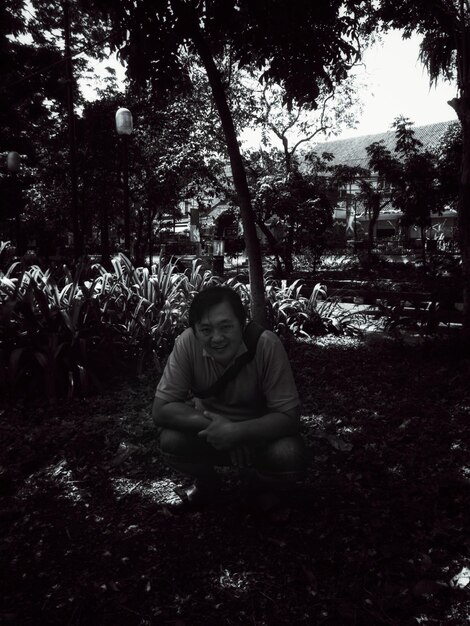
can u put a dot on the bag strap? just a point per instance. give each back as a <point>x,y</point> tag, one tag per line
<point>251,335</point>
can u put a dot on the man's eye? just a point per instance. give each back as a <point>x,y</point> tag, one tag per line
<point>227,327</point>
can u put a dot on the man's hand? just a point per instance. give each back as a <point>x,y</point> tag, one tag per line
<point>240,456</point>
<point>222,434</point>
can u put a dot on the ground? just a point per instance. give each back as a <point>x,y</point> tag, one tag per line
<point>378,533</point>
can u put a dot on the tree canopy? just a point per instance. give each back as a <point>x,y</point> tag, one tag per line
<point>445,50</point>
<point>310,45</point>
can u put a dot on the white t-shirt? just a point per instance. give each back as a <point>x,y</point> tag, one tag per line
<point>264,385</point>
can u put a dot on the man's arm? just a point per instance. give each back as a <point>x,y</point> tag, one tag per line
<point>178,416</point>
<point>225,434</point>
<point>269,426</point>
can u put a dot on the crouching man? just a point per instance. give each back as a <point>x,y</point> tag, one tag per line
<point>248,420</point>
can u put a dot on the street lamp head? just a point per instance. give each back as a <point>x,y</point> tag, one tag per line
<point>13,161</point>
<point>124,122</point>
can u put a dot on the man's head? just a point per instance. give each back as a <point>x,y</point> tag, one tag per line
<point>217,317</point>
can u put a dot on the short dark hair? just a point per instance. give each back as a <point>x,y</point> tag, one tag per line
<point>212,296</point>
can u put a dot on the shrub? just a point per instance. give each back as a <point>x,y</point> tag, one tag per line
<point>291,313</point>
<point>61,334</point>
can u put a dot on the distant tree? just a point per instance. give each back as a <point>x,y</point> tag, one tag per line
<point>292,128</point>
<point>292,208</point>
<point>448,155</point>
<point>171,158</point>
<point>412,174</point>
<point>445,50</point>
<point>25,86</point>
<point>291,203</point>
<point>30,97</point>
<point>33,108</point>
<point>310,42</point>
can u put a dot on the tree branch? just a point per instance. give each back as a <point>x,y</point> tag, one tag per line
<point>311,136</point>
<point>293,123</point>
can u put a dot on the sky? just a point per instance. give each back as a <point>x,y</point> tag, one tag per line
<point>396,83</point>
<point>399,84</point>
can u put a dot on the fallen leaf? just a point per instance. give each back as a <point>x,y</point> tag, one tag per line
<point>123,453</point>
<point>339,444</point>
<point>428,588</point>
<point>462,579</point>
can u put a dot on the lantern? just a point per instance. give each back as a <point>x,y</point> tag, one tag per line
<point>124,122</point>
<point>13,161</point>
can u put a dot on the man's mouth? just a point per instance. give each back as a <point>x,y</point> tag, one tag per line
<point>219,348</point>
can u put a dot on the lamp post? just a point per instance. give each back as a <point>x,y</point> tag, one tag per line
<point>150,229</point>
<point>77,220</point>
<point>124,129</point>
<point>218,252</point>
<point>13,166</point>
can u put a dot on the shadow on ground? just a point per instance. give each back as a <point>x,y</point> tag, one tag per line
<point>377,534</point>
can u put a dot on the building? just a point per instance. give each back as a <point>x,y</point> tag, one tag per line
<point>350,212</point>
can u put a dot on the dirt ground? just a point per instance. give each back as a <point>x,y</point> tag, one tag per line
<point>377,534</point>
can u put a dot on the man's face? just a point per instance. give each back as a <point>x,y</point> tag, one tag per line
<point>220,332</point>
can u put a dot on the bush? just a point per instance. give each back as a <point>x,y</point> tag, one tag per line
<point>63,334</point>
<point>56,340</point>
<point>292,314</point>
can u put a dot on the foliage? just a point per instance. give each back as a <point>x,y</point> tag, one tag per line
<point>60,337</point>
<point>411,173</point>
<point>293,128</point>
<point>59,333</point>
<point>298,50</point>
<point>25,87</point>
<point>445,27</point>
<point>449,156</point>
<point>86,523</point>
<point>293,314</point>
<point>292,208</point>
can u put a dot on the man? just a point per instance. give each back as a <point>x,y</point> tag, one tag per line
<point>252,422</point>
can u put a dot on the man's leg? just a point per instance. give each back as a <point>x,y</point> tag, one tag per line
<point>281,461</point>
<point>195,459</point>
<point>279,465</point>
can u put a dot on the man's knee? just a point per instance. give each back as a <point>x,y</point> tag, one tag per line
<point>284,456</point>
<point>176,443</point>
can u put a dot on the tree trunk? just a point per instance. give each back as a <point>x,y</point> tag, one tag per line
<point>423,245</point>
<point>464,223</point>
<point>290,246</point>
<point>104,227</point>
<point>239,177</point>
<point>375,207</point>
<point>462,107</point>
<point>273,245</point>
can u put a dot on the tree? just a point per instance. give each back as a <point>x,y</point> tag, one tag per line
<point>296,126</point>
<point>448,155</point>
<point>284,192</point>
<point>292,208</point>
<point>311,42</point>
<point>412,175</point>
<point>28,99</point>
<point>172,157</point>
<point>445,50</point>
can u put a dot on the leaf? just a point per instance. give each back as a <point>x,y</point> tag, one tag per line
<point>462,579</point>
<point>339,444</point>
<point>124,452</point>
<point>335,442</point>
<point>428,587</point>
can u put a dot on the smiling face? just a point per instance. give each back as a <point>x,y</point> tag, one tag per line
<point>220,332</point>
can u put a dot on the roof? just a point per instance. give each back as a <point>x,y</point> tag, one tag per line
<point>216,210</point>
<point>352,151</point>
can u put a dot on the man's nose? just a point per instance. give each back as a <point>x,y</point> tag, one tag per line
<point>216,335</point>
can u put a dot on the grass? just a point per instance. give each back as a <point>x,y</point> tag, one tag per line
<point>376,535</point>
